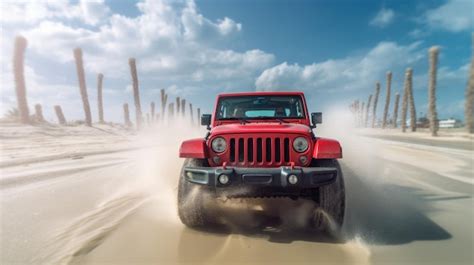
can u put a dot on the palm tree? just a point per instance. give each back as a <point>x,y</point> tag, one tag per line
<point>469,105</point>
<point>191,113</point>
<point>411,100</point>
<point>369,101</point>
<point>136,91</point>
<point>395,110</point>
<point>152,110</point>
<point>178,106</point>
<point>18,71</point>
<point>405,100</point>
<point>198,116</point>
<point>100,104</point>
<point>126,115</point>
<point>39,113</point>
<point>183,107</point>
<point>387,99</point>
<point>82,86</point>
<point>361,115</point>
<point>60,115</point>
<point>164,99</point>
<point>433,115</point>
<point>376,99</point>
<point>170,112</point>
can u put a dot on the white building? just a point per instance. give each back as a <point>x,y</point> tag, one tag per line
<point>450,123</point>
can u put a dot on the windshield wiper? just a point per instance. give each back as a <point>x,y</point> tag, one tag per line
<point>242,120</point>
<point>281,120</point>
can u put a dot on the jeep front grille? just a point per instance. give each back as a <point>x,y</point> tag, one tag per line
<point>270,151</point>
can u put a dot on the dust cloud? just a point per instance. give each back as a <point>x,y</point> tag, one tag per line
<point>152,187</point>
<point>160,167</point>
<point>132,205</point>
<point>151,179</point>
<point>159,171</point>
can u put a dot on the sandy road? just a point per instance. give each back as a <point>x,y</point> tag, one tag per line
<point>405,204</point>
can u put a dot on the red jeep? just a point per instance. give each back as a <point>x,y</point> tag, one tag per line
<point>261,144</point>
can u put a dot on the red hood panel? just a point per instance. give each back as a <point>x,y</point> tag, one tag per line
<point>261,127</point>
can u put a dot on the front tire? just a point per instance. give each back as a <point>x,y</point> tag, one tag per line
<point>192,197</point>
<point>329,216</point>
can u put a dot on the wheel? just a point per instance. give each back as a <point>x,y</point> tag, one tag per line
<point>192,197</point>
<point>329,215</point>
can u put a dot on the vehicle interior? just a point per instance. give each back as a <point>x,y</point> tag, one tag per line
<point>257,107</point>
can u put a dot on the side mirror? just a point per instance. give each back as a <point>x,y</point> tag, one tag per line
<point>206,120</point>
<point>316,118</point>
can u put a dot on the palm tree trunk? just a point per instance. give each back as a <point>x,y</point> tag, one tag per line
<point>20,86</point>
<point>369,101</point>
<point>395,110</point>
<point>152,110</point>
<point>126,115</point>
<point>178,106</point>
<point>183,107</point>
<point>100,104</point>
<point>411,100</point>
<point>164,99</point>
<point>361,115</point>
<point>198,117</point>
<point>387,99</point>
<point>469,105</point>
<point>82,86</point>
<point>170,112</point>
<point>376,99</point>
<point>136,92</point>
<point>39,113</point>
<point>191,113</point>
<point>405,101</point>
<point>433,115</point>
<point>60,115</point>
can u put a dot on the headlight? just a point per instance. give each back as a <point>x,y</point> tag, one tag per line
<point>300,144</point>
<point>218,145</point>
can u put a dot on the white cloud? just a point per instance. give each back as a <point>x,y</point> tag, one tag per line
<point>418,33</point>
<point>169,38</point>
<point>39,91</point>
<point>445,73</point>
<point>94,11</point>
<point>30,12</point>
<point>447,77</point>
<point>174,44</point>
<point>383,18</point>
<point>453,16</point>
<point>22,12</point>
<point>350,73</point>
<point>197,27</point>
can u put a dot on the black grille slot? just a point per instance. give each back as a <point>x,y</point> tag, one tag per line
<point>232,150</point>
<point>250,149</point>
<point>286,144</point>
<point>241,150</point>
<point>268,149</point>
<point>259,150</point>
<point>277,150</point>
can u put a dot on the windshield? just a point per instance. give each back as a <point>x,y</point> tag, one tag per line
<point>260,107</point>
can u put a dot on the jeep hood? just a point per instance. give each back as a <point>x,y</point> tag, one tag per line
<point>261,127</point>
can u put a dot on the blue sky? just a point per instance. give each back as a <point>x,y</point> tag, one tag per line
<point>334,51</point>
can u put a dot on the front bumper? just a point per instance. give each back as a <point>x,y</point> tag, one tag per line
<point>275,181</point>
